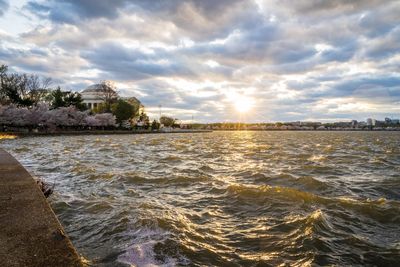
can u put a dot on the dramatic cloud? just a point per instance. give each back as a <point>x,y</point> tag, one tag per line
<point>291,60</point>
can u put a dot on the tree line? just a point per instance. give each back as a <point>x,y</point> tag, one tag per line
<point>29,90</point>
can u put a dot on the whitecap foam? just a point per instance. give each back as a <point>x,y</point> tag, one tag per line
<point>317,158</point>
<point>142,254</point>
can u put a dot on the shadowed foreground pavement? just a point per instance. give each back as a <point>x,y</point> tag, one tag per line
<point>30,233</point>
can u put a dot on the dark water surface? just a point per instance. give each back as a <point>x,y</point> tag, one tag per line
<point>225,198</point>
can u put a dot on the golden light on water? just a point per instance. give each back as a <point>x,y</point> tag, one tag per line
<point>7,136</point>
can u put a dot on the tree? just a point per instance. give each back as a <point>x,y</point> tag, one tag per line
<point>145,119</point>
<point>12,115</point>
<point>22,89</point>
<point>122,110</point>
<point>41,115</point>
<point>167,121</point>
<point>60,98</point>
<point>155,125</point>
<point>105,119</point>
<point>3,78</point>
<point>136,104</point>
<point>108,94</point>
<point>74,99</point>
<point>176,124</point>
<point>14,89</point>
<point>38,88</point>
<point>100,120</point>
<point>35,116</point>
<point>57,98</point>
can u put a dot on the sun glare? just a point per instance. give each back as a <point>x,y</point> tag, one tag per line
<point>243,105</point>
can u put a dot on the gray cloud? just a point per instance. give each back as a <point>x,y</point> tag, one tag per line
<point>324,8</point>
<point>3,7</point>
<point>300,59</point>
<point>73,11</point>
<point>130,63</point>
<point>197,19</point>
<point>385,46</point>
<point>368,87</point>
<point>380,21</point>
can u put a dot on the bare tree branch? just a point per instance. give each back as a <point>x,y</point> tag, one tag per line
<point>108,94</point>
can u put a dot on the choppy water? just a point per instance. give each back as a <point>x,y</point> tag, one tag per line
<point>225,198</point>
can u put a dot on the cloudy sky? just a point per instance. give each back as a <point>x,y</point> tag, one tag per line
<point>224,60</point>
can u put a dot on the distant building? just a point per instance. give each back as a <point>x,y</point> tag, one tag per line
<point>94,95</point>
<point>362,124</point>
<point>390,121</point>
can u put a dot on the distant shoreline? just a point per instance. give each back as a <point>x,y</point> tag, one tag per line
<point>125,132</point>
<point>307,130</point>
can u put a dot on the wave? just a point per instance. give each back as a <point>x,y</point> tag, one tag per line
<point>206,168</point>
<point>167,180</point>
<point>379,209</point>
<point>312,183</point>
<point>82,169</point>
<point>282,179</point>
<point>313,223</point>
<point>22,149</point>
<point>102,175</point>
<point>263,191</point>
<point>171,158</point>
<point>98,207</point>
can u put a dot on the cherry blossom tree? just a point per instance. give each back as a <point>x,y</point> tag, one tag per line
<point>106,119</point>
<point>41,115</point>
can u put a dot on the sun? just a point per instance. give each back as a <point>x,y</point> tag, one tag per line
<point>239,102</point>
<point>243,104</point>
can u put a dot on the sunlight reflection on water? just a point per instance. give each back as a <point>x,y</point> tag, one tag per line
<point>224,198</point>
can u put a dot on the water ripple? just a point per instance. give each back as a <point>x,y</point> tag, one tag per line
<point>225,198</point>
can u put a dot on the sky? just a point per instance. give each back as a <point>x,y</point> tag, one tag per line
<point>217,61</point>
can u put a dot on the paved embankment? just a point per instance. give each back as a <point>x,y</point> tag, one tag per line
<point>30,234</point>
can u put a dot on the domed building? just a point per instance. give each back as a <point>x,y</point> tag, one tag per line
<point>96,94</point>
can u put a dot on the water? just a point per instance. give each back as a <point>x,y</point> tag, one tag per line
<point>224,198</point>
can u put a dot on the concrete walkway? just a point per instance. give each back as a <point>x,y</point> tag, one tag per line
<point>30,234</point>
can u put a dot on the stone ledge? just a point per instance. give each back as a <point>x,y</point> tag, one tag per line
<point>31,234</point>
